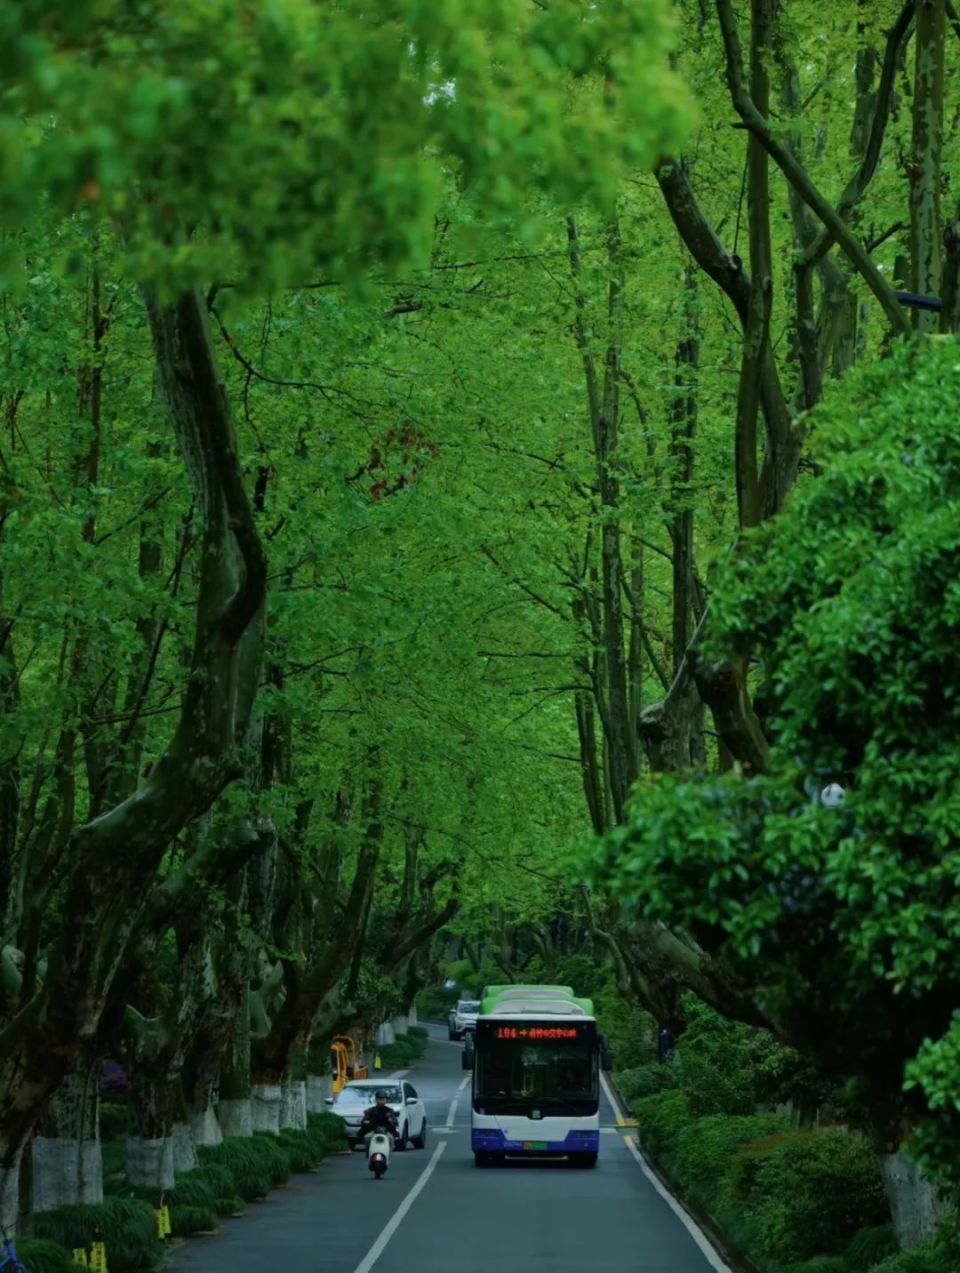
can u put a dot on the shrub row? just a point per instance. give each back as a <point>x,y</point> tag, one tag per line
<point>229,1175</point>
<point>405,1049</point>
<point>810,1201</point>
<point>127,1226</point>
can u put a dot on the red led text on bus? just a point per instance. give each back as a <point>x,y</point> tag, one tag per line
<point>537,1033</point>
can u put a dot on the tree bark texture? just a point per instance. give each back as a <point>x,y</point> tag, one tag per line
<point>926,231</point>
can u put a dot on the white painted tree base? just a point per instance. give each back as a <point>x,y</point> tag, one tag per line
<point>293,1105</point>
<point>265,1103</point>
<point>235,1118</point>
<point>150,1163</point>
<point>385,1035</point>
<point>65,1172</point>
<point>915,1206</point>
<point>412,1018</point>
<point>184,1149</point>
<point>319,1087</point>
<point>206,1128</point>
<point>399,1025</point>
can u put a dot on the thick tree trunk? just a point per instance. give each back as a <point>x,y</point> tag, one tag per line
<point>67,1164</point>
<point>293,1087</point>
<point>916,1208</point>
<point>319,1087</point>
<point>925,160</point>
<point>205,1127</point>
<point>265,1103</point>
<point>156,1112</point>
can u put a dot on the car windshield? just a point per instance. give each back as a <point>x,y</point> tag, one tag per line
<point>468,1005</point>
<point>366,1096</point>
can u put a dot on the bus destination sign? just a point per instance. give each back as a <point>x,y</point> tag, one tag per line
<point>540,1033</point>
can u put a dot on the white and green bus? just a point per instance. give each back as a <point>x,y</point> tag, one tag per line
<point>536,1058</point>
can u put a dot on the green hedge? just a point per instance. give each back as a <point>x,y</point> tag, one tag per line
<point>405,1049</point>
<point>645,1080</point>
<point>821,1264</point>
<point>805,1193</point>
<point>333,1128</point>
<point>239,1169</point>
<point>40,1256</point>
<point>128,1226</point>
<point>661,1120</point>
<point>252,1172</point>
<point>869,1247</point>
<point>784,1197</point>
<point>707,1153</point>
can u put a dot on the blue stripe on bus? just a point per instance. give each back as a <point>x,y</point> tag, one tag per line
<point>493,1140</point>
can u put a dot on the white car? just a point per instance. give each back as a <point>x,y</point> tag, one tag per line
<point>463,1018</point>
<point>402,1097</point>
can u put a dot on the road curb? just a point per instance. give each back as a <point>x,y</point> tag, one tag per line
<point>717,1237</point>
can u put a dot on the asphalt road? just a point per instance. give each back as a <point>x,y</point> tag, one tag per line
<point>434,1212</point>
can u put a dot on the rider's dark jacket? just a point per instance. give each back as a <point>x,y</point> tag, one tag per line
<point>378,1116</point>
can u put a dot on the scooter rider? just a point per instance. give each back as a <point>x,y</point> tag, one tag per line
<point>379,1117</point>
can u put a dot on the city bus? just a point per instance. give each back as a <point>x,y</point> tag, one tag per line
<point>536,1057</point>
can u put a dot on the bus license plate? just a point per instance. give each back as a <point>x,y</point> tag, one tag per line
<point>535,1144</point>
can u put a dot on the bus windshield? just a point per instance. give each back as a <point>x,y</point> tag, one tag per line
<point>555,1076</point>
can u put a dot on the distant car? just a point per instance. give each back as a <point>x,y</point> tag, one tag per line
<point>463,1017</point>
<point>402,1098</point>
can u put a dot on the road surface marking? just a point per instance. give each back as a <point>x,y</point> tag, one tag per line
<point>707,1249</point>
<point>397,1074</point>
<point>370,1259</point>
<point>452,1112</point>
<point>612,1099</point>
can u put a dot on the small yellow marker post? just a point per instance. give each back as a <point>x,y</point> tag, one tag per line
<point>98,1258</point>
<point>80,1256</point>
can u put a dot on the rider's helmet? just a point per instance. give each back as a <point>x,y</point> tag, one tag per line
<point>380,1096</point>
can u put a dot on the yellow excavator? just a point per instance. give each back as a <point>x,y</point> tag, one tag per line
<point>345,1062</point>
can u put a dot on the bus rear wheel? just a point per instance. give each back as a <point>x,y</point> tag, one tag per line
<point>583,1160</point>
<point>486,1159</point>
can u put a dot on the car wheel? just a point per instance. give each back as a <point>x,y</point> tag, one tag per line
<point>402,1139</point>
<point>420,1142</point>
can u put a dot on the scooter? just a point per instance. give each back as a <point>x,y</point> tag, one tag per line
<point>379,1145</point>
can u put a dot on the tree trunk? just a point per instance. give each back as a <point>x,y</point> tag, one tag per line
<point>915,1206</point>
<point>156,1112</point>
<point>265,1102</point>
<point>67,1165</point>
<point>925,160</point>
<point>235,1108</point>
<point>293,1087</point>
